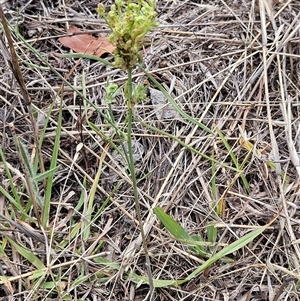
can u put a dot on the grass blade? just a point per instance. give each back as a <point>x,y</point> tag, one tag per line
<point>174,103</point>
<point>238,244</point>
<point>173,227</point>
<point>53,165</point>
<point>26,254</point>
<point>234,159</point>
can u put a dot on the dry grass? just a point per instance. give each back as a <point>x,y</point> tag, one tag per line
<point>233,65</point>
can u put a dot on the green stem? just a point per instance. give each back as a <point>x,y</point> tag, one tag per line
<point>130,105</point>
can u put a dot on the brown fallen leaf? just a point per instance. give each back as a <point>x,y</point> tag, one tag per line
<point>85,43</point>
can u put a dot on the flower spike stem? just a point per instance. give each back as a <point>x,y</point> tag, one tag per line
<point>129,22</point>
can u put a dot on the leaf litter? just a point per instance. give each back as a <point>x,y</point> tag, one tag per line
<point>214,52</point>
<point>86,43</point>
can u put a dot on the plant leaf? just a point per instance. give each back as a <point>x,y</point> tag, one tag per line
<point>42,176</point>
<point>26,254</point>
<point>238,244</point>
<point>173,227</point>
<point>212,233</point>
<point>174,103</point>
<point>234,159</point>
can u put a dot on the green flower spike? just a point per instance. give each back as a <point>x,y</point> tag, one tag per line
<point>129,24</point>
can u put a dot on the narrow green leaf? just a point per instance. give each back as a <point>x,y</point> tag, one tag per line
<point>78,281</point>
<point>42,176</point>
<point>172,226</point>
<point>12,200</point>
<point>186,146</point>
<point>90,203</point>
<point>213,181</point>
<point>87,56</point>
<point>175,105</point>
<point>107,263</point>
<point>199,249</point>
<point>48,285</point>
<point>74,232</point>
<point>16,196</point>
<point>195,242</point>
<point>37,274</point>
<point>26,254</point>
<point>241,242</point>
<point>234,159</point>
<point>25,157</point>
<point>53,165</point>
<point>238,244</point>
<point>80,201</point>
<point>212,232</point>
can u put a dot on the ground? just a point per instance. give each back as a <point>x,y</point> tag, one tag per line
<point>223,162</point>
